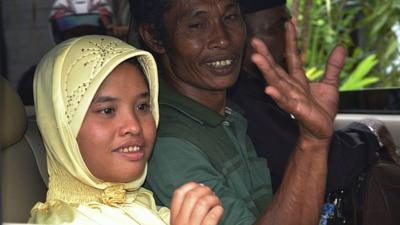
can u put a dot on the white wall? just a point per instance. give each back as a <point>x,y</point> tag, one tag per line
<point>27,34</point>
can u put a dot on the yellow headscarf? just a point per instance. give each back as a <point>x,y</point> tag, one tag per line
<point>66,81</point>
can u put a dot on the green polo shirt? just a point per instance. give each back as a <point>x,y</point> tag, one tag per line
<point>197,144</point>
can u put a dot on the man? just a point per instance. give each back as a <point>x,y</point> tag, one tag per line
<point>273,132</point>
<point>203,138</point>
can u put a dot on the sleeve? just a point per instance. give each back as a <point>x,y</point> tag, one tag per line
<point>59,9</point>
<point>53,212</point>
<point>352,149</point>
<point>103,7</point>
<point>175,162</point>
<point>164,214</point>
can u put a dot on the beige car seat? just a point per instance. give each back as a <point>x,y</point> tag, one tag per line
<point>22,183</point>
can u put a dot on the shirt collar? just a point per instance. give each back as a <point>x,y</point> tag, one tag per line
<point>171,98</point>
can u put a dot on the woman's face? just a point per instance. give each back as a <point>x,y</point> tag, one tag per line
<point>118,132</point>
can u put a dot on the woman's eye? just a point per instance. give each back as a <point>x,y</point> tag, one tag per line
<point>106,111</point>
<point>143,107</point>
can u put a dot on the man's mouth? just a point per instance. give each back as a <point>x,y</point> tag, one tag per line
<point>220,63</point>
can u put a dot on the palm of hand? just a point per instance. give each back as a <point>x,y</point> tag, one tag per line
<point>326,98</point>
<point>313,104</point>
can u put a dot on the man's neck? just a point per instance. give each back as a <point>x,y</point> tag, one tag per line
<point>214,100</point>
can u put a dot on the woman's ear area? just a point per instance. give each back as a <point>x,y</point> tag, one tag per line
<point>149,37</point>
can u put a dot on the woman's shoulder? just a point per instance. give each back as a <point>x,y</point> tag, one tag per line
<point>53,212</point>
<point>60,212</point>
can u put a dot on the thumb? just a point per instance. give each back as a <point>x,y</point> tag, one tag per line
<point>335,64</point>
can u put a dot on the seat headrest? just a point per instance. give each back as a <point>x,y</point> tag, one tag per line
<point>12,115</point>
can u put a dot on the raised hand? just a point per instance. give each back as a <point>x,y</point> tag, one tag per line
<point>193,204</point>
<point>313,104</point>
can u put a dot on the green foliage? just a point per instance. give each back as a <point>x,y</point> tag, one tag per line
<point>359,77</point>
<point>365,27</point>
<point>313,73</point>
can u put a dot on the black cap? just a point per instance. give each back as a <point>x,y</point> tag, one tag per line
<point>250,6</point>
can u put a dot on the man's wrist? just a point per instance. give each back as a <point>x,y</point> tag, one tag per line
<point>312,145</point>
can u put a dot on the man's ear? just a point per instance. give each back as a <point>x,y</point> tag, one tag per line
<point>149,37</point>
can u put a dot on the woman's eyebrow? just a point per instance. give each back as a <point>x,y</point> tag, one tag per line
<point>102,99</point>
<point>145,94</point>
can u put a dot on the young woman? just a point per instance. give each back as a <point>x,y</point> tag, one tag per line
<point>97,110</point>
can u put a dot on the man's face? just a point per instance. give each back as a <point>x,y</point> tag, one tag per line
<point>268,25</point>
<point>204,44</point>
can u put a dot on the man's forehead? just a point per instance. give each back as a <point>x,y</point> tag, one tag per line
<point>275,13</point>
<point>188,6</point>
<point>250,6</point>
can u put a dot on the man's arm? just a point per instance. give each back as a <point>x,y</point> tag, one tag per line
<point>175,162</point>
<point>300,196</point>
<point>314,105</point>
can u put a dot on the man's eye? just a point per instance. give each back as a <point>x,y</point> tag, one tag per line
<point>197,25</point>
<point>143,107</point>
<point>232,16</point>
<point>194,25</point>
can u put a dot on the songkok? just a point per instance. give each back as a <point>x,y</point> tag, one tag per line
<point>250,6</point>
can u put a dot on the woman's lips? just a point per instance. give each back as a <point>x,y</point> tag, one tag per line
<point>132,153</point>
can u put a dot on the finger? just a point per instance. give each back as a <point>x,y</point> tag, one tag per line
<point>178,198</point>
<point>190,199</point>
<point>291,104</point>
<point>259,46</point>
<point>271,71</point>
<point>293,59</point>
<point>214,216</point>
<point>203,206</point>
<point>282,100</point>
<point>264,66</point>
<point>335,64</point>
<point>283,83</point>
<point>265,62</point>
<point>262,49</point>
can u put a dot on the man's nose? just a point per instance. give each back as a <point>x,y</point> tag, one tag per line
<point>219,37</point>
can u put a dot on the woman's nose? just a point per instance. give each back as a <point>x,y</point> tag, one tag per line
<point>131,125</point>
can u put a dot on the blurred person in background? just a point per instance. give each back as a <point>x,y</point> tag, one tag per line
<point>73,18</point>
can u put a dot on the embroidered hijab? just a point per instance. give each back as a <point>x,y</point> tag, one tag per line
<point>66,81</point>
